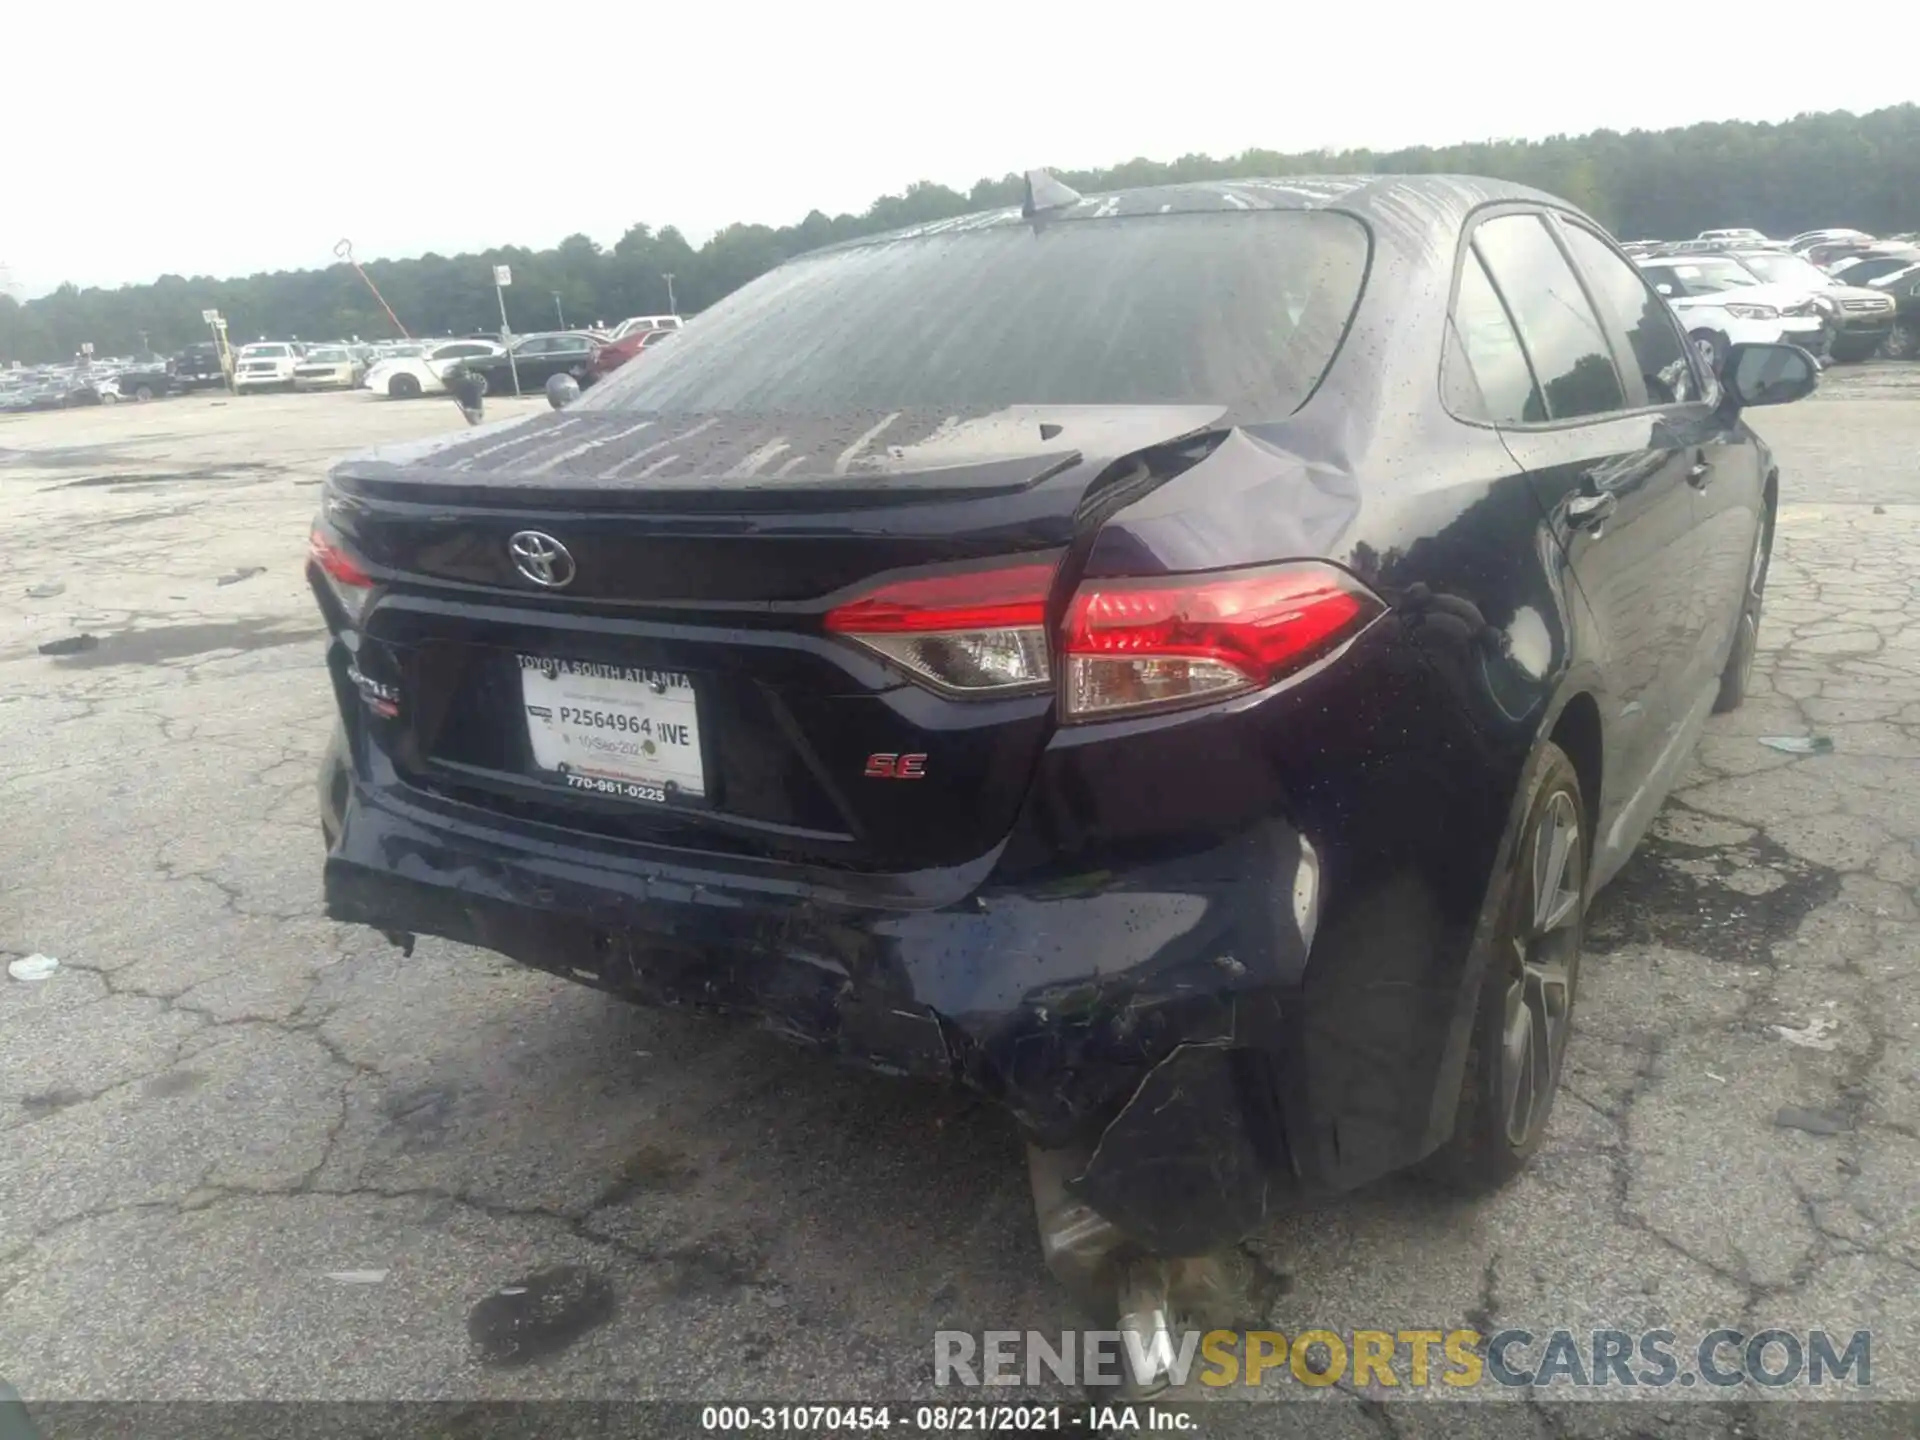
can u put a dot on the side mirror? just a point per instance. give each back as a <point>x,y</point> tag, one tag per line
<point>1769,374</point>
<point>562,391</point>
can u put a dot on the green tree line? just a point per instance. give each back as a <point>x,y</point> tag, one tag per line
<point>1833,168</point>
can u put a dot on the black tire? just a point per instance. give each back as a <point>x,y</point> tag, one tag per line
<point>479,381</point>
<point>1850,352</point>
<point>1903,343</point>
<point>1711,346</point>
<point>403,387</point>
<point>1746,629</point>
<point>143,393</point>
<point>1489,1146</point>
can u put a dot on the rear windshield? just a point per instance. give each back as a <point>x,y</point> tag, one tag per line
<point>1243,309</point>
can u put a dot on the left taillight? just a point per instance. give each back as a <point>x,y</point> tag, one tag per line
<point>1160,643</point>
<point>344,576</point>
<point>978,633</point>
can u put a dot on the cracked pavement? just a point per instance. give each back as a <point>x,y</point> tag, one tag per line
<point>245,1153</point>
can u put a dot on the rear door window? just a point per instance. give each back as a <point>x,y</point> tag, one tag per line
<point>1563,337</point>
<point>1486,375</point>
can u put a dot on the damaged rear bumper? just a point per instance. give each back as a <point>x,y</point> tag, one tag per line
<point>1154,1019</point>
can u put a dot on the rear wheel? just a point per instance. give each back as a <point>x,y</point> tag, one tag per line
<point>1746,631</point>
<point>143,393</point>
<point>1847,352</point>
<point>1904,342</point>
<point>403,387</point>
<point>1525,1012</point>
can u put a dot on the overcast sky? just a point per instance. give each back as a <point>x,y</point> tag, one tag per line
<point>219,138</point>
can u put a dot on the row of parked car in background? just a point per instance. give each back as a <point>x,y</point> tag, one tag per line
<point>1842,294</point>
<point>394,369</point>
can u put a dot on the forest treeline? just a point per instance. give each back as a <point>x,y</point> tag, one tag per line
<point>1833,168</point>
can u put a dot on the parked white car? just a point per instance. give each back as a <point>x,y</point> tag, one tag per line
<point>1744,237</point>
<point>265,365</point>
<point>1721,303</point>
<point>402,377</point>
<point>646,322</point>
<point>1808,238</point>
<point>327,367</point>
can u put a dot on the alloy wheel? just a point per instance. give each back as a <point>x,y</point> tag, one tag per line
<point>1545,954</point>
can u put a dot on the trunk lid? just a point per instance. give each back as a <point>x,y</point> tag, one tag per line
<point>684,643</point>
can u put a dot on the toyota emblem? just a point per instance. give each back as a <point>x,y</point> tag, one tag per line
<point>541,559</point>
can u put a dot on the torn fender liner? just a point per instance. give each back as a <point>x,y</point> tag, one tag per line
<point>1183,1169</point>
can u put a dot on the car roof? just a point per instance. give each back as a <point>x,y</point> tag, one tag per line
<point>1408,205</point>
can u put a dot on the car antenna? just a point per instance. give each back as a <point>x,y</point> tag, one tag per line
<point>1045,193</point>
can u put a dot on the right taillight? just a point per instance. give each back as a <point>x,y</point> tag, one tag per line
<point>351,585</point>
<point>1145,644</point>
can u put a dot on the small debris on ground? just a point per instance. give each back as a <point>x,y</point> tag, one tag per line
<point>33,967</point>
<point>1813,1036</point>
<point>245,572</point>
<point>46,591</point>
<point>1799,744</point>
<point>357,1277</point>
<point>70,645</point>
<point>1879,509</point>
<point>1814,1122</point>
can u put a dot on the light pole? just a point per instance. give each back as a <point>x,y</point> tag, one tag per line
<point>671,310</point>
<point>558,311</point>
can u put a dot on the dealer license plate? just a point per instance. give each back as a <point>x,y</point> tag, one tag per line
<point>616,730</point>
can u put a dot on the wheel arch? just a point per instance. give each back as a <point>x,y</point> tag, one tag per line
<point>1573,722</point>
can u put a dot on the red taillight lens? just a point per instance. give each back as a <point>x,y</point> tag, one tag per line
<point>1173,640</point>
<point>975,633</point>
<point>351,585</point>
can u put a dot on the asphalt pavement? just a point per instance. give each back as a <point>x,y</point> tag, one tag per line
<point>248,1154</point>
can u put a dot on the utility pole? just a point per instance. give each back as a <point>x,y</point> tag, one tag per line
<point>503,277</point>
<point>558,311</point>
<point>671,310</point>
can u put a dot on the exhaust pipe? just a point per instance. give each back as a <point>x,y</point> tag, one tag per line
<point>1150,1299</point>
<point>1103,1273</point>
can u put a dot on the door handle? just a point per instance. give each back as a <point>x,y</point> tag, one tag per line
<point>1590,512</point>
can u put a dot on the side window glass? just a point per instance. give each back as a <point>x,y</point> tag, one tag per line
<point>1486,375</point>
<point>1655,340</point>
<point>1563,336</point>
